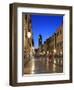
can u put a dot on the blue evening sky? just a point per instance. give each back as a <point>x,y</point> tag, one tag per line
<point>45,25</point>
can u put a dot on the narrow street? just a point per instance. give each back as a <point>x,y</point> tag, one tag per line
<point>39,65</point>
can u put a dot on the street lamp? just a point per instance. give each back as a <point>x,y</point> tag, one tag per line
<point>61,52</point>
<point>29,34</point>
<point>54,60</point>
<point>54,50</point>
<point>33,50</point>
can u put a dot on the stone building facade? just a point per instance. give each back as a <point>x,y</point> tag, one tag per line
<point>54,44</point>
<point>27,34</point>
<point>59,41</point>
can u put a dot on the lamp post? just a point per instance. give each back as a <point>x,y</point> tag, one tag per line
<point>54,55</point>
<point>29,36</point>
<point>54,51</point>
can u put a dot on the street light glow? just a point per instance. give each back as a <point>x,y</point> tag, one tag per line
<point>54,50</point>
<point>61,52</point>
<point>29,34</point>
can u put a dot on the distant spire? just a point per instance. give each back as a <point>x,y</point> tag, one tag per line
<point>40,40</point>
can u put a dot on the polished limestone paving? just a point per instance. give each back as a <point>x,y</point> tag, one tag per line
<point>40,65</point>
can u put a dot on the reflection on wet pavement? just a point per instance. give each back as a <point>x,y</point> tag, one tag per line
<point>39,65</point>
